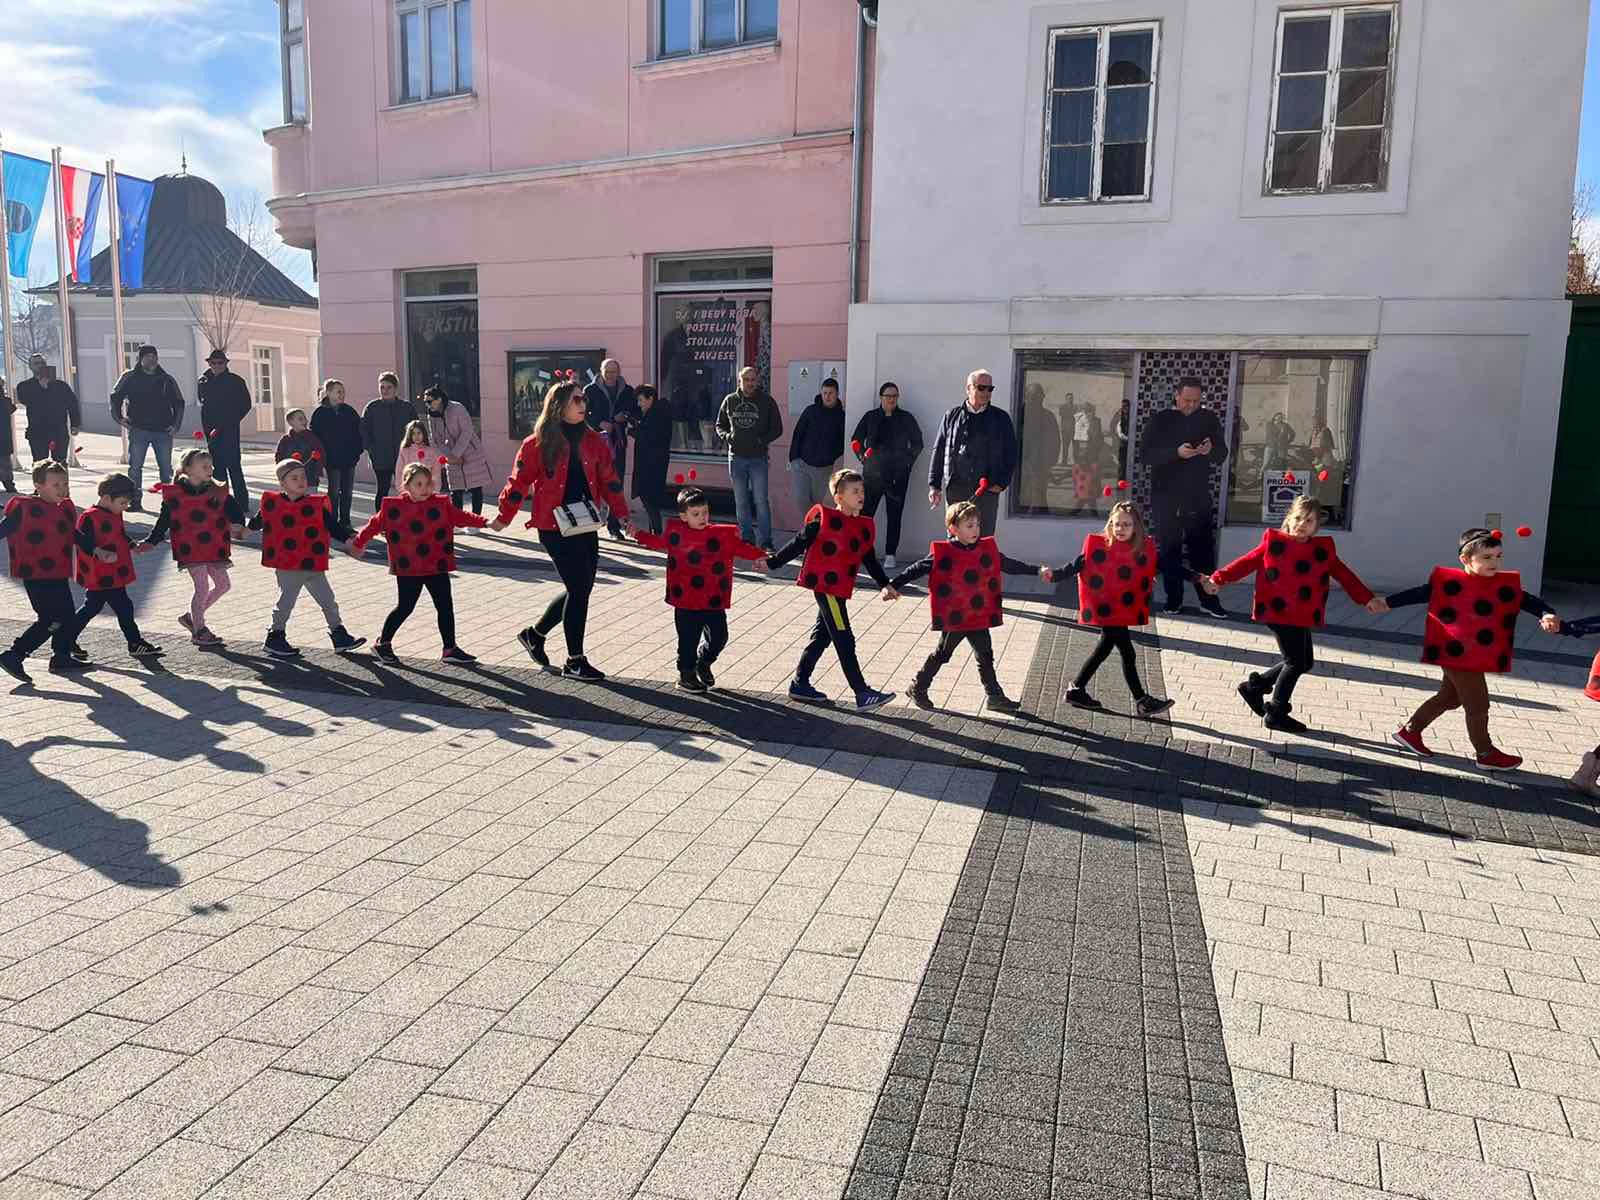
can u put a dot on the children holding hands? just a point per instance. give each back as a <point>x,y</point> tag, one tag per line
<point>105,565</point>
<point>199,515</point>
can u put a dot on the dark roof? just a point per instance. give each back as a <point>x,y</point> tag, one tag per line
<point>189,248</point>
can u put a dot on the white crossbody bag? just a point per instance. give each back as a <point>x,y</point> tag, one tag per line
<point>574,519</point>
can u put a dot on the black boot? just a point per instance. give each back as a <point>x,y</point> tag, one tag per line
<point>277,645</point>
<point>343,642</point>
<point>1254,693</point>
<point>998,701</point>
<point>918,691</point>
<point>1278,718</point>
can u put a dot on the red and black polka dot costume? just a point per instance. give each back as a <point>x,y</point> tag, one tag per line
<point>105,528</point>
<point>196,522</point>
<point>700,563</point>
<point>1115,582</point>
<point>294,533</point>
<point>836,554</point>
<point>1292,579</point>
<point>419,534</point>
<point>964,589</point>
<point>41,544</point>
<point>1472,619</point>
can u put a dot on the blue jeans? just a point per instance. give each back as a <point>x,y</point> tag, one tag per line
<point>749,476</point>
<point>140,440</point>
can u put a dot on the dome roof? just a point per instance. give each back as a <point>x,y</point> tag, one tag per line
<point>186,200</point>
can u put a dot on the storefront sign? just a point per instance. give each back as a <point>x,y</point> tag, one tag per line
<point>1278,492</point>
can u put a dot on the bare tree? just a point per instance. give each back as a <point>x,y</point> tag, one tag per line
<point>218,288</point>
<point>35,326</point>
<point>1583,255</point>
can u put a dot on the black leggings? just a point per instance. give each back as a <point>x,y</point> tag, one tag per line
<point>1113,637</point>
<point>1294,643</point>
<point>52,601</point>
<point>116,599</point>
<point>411,588</point>
<point>576,560</point>
<point>385,477</point>
<point>459,498</point>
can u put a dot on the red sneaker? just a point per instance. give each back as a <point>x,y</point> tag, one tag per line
<point>1498,760</point>
<point>1412,742</point>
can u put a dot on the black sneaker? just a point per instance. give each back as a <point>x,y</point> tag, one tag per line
<point>79,653</point>
<point>1079,698</point>
<point>65,664</point>
<point>871,699</point>
<point>11,664</point>
<point>1279,719</point>
<point>1210,606</point>
<point>455,654</point>
<point>1254,694</point>
<point>385,651</point>
<point>1000,702</point>
<point>1172,607</point>
<point>1151,706</point>
<point>343,643</point>
<point>144,649</point>
<point>690,682</point>
<point>802,691</point>
<point>703,673</point>
<point>533,643</point>
<point>579,668</point>
<point>918,695</point>
<point>277,645</point>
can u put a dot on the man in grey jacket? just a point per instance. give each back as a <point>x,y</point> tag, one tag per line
<point>749,422</point>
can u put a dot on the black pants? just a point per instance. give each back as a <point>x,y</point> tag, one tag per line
<point>116,599</point>
<point>893,491</point>
<point>385,478</point>
<point>1113,637</point>
<point>832,628</point>
<point>459,499</point>
<point>702,636</point>
<point>411,589</point>
<point>576,559</point>
<point>1294,643</point>
<point>988,504</point>
<point>982,651</point>
<point>1186,529</point>
<point>228,466</point>
<point>341,493</point>
<point>39,445</point>
<point>652,512</point>
<point>52,601</point>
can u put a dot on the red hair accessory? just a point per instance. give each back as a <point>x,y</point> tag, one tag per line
<point>869,452</point>
<point>1497,535</point>
<point>1322,475</point>
<point>444,460</point>
<point>678,478</point>
<point>420,454</point>
<point>316,456</point>
<point>154,489</point>
<point>1288,477</point>
<point>1107,490</point>
<point>693,475</point>
<point>855,445</point>
<point>199,435</point>
<point>297,456</point>
<point>1122,485</point>
<point>983,486</point>
<point>1524,531</point>
<point>52,449</point>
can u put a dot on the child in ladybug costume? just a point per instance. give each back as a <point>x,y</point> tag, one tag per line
<point>1116,576</point>
<point>418,527</point>
<point>39,534</point>
<point>1292,566</point>
<point>837,542</point>
<point>1586,778</point>
<point>297,528</point>
<point>1472,617</point>
<point>105,563</point>
<point>700,558</point>
<point>965,596</point>
<point>199,515</point>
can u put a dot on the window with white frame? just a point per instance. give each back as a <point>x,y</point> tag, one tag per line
<point>1332,93</point>
<point>130,352</point>
<point>1100,113</point>
<point>263,362</point>
<point>293,36</point>
<point>433,48</point>
<point>695,26</point>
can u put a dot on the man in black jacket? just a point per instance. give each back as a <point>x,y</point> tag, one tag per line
<point>1181,445</point>
<point>814,449</point>
<point>52,408</point>
<point>610,400</point>
<point>976,442</point>
<point>891,443</point>
<point>224,404</point>
<point>147,403</point>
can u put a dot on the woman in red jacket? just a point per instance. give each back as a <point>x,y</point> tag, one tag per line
<point>563,462</point>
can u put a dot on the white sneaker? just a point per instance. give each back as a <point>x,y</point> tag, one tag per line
<point>890,565</point>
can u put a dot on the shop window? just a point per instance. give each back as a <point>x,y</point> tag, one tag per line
<point>1072,425</point>
<point>1294,434</point>
<point>442,334</point>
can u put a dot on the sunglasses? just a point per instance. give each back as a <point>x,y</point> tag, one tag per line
<point>983,387</point>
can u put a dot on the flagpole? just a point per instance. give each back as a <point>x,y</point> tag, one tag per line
<point>69,367</point>
<point>114,216</point>
<point>10,347</point>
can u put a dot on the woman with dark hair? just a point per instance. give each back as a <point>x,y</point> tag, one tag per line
<point>650,426</point>
<point>563,462</point>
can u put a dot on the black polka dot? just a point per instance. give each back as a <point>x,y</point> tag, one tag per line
<point>1271,574</point>
<point>1305,593</point>
<point>1276,546</point>
<point>308,564</point>
<point>829,549</point>
<point>1452,587</point>
<point>1096,582</point>
<point>985,561</point>
<point>1279,604</point>
<point>694,557</point>
<point>831,578</point>
<point>107,581</point>
<point>1124,573</point>
<point>1454,649</point>
<point>835,522</point>
<point>1507,594</point>
<point>1099,556</point>
<point>1485,637</point>
<point>1302,567</point>
<point>1448,615</point>
<point>1483,608</point>
<point>1431,653</point>
<point>719,567</point>
<point>971,576</point>
<point>943,591</point>
<point>435,513</point>
<point>1320,554</point>
<point>1128,599</point>
<point>417,526</point>
<point>810,580</point>
<point>288,521</point>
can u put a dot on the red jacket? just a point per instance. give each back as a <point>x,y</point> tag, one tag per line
<point>528,478</point>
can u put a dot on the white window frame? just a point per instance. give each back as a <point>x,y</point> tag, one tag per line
<point>403,8</point>
<point>293,40</point>
<point>1337,15</point>
<point>697,31</point>
<point>130,351</point>
<point>1102,49</point>
<point>277,378</point>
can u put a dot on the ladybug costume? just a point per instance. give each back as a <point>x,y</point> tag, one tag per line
<point>295,534</point>
<point>700,589</point>
<point>833,557</point>
<point>39,537</point>
<point>101,529</point>
<point>198,521</point>
<point>420,534</point>
<point>1115,580</point>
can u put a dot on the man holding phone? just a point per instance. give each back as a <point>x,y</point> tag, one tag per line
<point>1181,445</point>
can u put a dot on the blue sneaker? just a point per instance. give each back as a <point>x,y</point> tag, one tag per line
<point>807,694</point>
<point>866,700</point>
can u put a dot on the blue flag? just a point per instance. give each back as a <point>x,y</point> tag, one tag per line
<point>133,209</point>
<point>25,182</point>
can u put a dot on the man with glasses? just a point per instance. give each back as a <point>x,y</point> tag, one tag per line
<point>976,443</point>
<point>891,442</point>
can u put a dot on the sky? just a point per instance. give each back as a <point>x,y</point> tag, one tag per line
<point>145,82</point>
<point>1589,138</point>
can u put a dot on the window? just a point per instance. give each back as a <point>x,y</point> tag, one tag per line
<point>1100,113</point>
<point>1331,100</point>
<point>1072,426</point>
<point>713,317</point>
<point>692,26</point>
<point>442,333</point>
<point>1293,434</point>
<point>130,352</point>
<point>433,49</point>
<point>294,61</point>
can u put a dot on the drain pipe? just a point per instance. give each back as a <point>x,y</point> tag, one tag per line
<point>858,154</point>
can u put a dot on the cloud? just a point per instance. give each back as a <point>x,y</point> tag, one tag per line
<point>108,12</point>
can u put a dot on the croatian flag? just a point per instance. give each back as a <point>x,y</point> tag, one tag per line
<point>80,206</point>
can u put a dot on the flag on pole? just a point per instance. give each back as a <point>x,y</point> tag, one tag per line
<point>80,206</point>
<point>24,187</point>
<point>133,215</point>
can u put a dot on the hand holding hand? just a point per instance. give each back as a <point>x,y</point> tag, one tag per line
<point>350,549</point>
<point>1550,623</point>
<point>104,555</point>
<point>1209,585</point>
<point>138,548</point>
<point>497,524</point>
<point>1377,606</point>
<point>889,593</point>
<point>1046,574</point>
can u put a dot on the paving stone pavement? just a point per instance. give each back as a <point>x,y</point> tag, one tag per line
<point>338,929</point>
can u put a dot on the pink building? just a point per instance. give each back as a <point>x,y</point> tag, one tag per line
<point>496,189</point>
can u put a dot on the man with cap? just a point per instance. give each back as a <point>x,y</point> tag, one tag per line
<point>224,403</point>
<point>52,408</point>
<point>147,403</point>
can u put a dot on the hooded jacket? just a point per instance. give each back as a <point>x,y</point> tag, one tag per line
<point>818,439</point>
<point>148,401</point>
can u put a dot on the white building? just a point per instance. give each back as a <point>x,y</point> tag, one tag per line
<point>1352,216</point>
